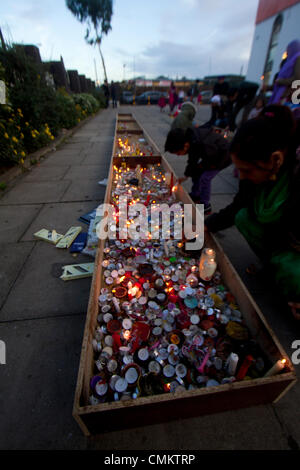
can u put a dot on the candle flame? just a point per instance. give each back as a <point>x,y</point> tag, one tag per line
<point>122,278</point>
<point>283,361</point>
<point>126,335</point>
<point>174,188</point>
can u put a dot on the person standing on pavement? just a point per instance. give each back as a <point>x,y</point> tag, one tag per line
<point>172,97</point>
<point>218,101</point>
<point>289,72</point>
<point>106,93</point>
<point>113,94</point>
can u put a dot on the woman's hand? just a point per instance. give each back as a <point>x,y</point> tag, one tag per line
<point>181,180</point>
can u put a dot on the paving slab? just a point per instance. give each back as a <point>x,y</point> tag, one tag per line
<point>64,159</point>
<point>14,220</point>
<point>87,190</point>
<point>39,292</point>
<point>37,192</point>
<point>45,173</point>
<point>38,383</point>
<point>91,172</point>
<point>98,158</point>
<point>260,431</point>
<point>59,217</point>
<point>12,259</point>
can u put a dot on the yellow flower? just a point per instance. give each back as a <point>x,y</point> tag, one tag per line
<point>6,135</point>
<point>52,137</point>
<point>19,110</point>
<point>22,161</point>
<point>15,152</point>
<point>22,135</point>
<point>23,154</point>
<point>26,123</point>
<point>19,128</point>
<point>11,120</point>
<point>15,139</point>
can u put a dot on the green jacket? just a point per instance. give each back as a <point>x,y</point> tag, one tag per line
<point>184,119</point>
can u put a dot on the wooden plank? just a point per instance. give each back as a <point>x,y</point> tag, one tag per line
<point>160,408</point>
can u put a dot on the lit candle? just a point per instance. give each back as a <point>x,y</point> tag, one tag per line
<point>232,362</point>
<point>277,367</point>
<point>244,367</point>
<point>166,249</point>
<point>207,253</point>
<point>207,270</point>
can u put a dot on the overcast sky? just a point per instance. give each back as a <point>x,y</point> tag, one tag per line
<point>191,38</point>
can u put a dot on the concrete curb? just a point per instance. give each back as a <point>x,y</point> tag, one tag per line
<point>10,175</point>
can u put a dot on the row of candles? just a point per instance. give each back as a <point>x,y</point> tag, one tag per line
<point>163,325</point>
<point>127,146</point>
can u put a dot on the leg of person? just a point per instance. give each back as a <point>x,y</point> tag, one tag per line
<point>195,192</point>
<point>205,188</point>
<point>286,269</point>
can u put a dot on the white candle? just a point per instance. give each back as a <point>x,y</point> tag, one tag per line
<point>277,367</point>
<point>232,362</point>
<point>166,249</point>
<point>207,270</point>
<point>207,253</point>
<point>168,178</point>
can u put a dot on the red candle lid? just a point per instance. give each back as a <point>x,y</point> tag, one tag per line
<point>120,292</point>
<point>113,326</point>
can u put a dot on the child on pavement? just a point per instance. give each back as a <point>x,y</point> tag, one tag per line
<point>208,153</point>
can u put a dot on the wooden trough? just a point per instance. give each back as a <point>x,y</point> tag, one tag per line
<point>142,411</point>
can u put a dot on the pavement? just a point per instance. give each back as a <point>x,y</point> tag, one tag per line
<point>42,318</point>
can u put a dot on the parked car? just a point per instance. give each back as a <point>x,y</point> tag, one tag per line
<point>127,97</point>
<point>206,96</point>
<point>153,95</point>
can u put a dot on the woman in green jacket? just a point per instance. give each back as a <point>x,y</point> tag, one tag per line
<point>267,206</point>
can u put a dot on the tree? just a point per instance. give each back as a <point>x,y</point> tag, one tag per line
<point>97,15</point>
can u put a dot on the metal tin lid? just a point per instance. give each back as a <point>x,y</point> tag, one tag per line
<point>181,370</point>
<point>154,367</point>
<point>173,359</point>
<point>108,340</point>
<point>195,319</point>
<point>121,385</point>
<point>173,348</point>
<point>212,332</point>
<point>101,388</point>
<point>128,359</point>
<point>127,324</point>
<point>143,354</point>
<point>167,327</point>
<point>108,350</point>
<point>157,331</point>
<point>168,370</point>
<point>113,381</point>
<point>105,308</point>
<point>131,375</point>
<point>112,365</point>
<point>189,291</point>
<point>212,383</point>
<point>163,352</point>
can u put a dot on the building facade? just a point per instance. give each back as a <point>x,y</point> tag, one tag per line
<point>277,24</point>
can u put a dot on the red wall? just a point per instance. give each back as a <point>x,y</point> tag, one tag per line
<point>267,8</point>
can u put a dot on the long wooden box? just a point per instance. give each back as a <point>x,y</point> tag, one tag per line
<point>166,407</point>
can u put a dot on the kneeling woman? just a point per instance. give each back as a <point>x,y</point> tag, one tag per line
<point>267,206</point>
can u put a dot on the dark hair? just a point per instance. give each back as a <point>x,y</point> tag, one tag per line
<point>274,129</point>
<point>176,139</point>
